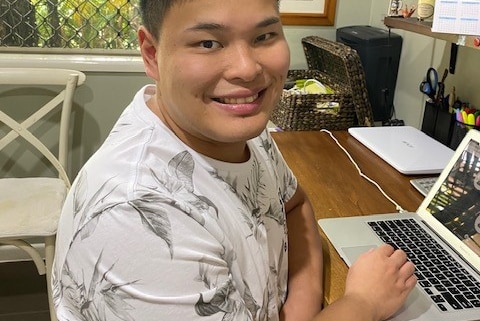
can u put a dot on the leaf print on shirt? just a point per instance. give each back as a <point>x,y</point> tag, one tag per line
<point>92,209</point>
<point>220,302</point>
<point>267,145</point>
<point>288,180</point>
<point>154,218</point>
<point>276,212</point>
<point>173,186</point>
<point>249,300</point>
<point>176,182</point>
<point>97,297</point>
<point>250,194</point>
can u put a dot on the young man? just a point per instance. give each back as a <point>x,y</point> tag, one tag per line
<point>183,213</point>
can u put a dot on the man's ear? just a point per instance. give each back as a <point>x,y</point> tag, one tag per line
<point>148,50</point>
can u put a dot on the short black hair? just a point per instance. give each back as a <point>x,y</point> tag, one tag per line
<point>153,12</point>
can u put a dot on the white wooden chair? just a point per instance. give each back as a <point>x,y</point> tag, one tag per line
<point>30,206</point>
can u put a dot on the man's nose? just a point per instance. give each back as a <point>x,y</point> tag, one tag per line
<point>243,64</point>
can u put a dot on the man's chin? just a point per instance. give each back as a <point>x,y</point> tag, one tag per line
<point>240,135</point>
<point>251,130</point>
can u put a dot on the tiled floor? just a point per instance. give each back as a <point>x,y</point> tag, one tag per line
<point>23,293</point>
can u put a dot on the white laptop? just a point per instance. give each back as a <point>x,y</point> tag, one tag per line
<point>406,148</point>
<point>450,215</point>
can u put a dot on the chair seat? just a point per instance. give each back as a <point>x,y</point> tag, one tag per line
<point>30,206</point>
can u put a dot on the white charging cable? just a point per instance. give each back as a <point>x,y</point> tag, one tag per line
<point>397,206</point>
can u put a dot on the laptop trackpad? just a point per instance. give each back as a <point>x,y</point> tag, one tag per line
<point>351,254</point>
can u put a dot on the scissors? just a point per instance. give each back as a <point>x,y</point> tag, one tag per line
<point>441,89</point>
<point>429,86</point>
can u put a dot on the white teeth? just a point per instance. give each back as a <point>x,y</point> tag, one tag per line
<point>239,100</point>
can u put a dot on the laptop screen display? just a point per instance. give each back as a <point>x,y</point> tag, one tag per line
<point>457,203</point>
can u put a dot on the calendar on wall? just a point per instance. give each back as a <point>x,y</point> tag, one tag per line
<point>458,17</point>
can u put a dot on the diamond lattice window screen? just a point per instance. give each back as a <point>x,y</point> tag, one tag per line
<point>83,24</point>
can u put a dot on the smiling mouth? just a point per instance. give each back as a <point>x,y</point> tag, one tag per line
<point>237,101</point>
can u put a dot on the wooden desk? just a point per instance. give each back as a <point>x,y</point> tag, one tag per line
<point>336,189</point>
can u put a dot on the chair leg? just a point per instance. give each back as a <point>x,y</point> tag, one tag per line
<point>27,247</point>
<point>49,254</point>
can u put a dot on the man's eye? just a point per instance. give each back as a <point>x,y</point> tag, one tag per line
<point>265,37</point>
<point>210,44</point>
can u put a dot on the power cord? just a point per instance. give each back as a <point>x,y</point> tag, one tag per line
<point>397,206</point>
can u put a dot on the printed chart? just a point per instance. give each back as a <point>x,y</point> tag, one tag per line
<point>458,17</point>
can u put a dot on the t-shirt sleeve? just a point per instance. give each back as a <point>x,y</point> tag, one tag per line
<point>127,266</point>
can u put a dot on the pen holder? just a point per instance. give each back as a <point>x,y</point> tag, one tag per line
<point>438,123</point>
<point>459,131</point>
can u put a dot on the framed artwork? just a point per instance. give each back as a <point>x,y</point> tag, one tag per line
<point>308,12</point>
<point>394,8</point>
<point>399,8</point>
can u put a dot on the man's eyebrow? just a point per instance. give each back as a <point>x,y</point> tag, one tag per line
<point>267,22</point>
<point>217,26</point>
<point>207,26</point>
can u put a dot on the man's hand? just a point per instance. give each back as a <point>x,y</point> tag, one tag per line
<point>382,278</point>
<point>378,283</point>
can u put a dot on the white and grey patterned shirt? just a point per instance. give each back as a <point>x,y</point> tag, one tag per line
<point>151,230</point>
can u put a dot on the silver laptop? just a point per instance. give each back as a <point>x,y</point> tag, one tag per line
<point>449,215</point>
<point>406,148</point>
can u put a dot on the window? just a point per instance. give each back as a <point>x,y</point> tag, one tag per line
<point>76,24</point>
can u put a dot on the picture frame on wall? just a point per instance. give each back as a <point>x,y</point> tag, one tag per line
<point>399,8</point>
<point>308,12</point>
<point>394,8</point>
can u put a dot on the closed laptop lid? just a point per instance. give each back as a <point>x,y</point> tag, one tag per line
<point>406,148</point>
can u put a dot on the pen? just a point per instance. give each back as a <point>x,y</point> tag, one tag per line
<point>470,120</point>
<point>458,115</point>
<point>464,116</point>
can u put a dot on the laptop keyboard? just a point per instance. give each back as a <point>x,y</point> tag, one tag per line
<point>424,184</point>
<point>448,284</point>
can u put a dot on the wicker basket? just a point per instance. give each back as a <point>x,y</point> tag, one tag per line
<point>312,111</point>
<point>342,63</point>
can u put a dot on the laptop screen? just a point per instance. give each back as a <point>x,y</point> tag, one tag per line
<point>456,203</point>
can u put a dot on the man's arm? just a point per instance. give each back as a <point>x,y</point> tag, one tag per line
<point>305,284</point>
<point>377,283</point>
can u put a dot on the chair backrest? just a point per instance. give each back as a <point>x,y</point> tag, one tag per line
<point>343,64</point>
<point>67,82</point>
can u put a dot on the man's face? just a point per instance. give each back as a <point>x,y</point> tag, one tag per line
<point>220,68</point>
